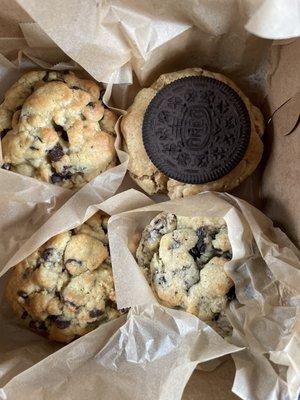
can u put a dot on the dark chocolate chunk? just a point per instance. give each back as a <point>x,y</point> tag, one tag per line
<point>47,253</point>
<point>66,173</point>
<point>199,249</point>
<point>161,280</point>
<point>41,326</point>
<point>62,323</point>
<point>196,129</point>
<point>175,244</point>
<point>56,178</point>
<point>56,153</point>
<point>76,88</point>
<point>33,148</point>
<point>6,166</point>
<point>231,294</point>
<point>4,132</point>
<point>101,95</point>
<point>24,315</point>
<point>46,77</point>
<point>22,294</point>
<point>95,313</point>
<point>91,104</point>
<point>18,108</point>
<point>71,303</point>
<point>110,303</point>
<point>61,130</point>
<point>216,316</point>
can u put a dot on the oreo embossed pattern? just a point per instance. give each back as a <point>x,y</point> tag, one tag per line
<point>196,129</point>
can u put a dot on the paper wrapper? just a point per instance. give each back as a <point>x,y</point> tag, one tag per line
<point>266,271</point>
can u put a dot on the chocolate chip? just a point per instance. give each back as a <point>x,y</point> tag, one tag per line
<point>110,303</point>
<point>76,88</point>
<point>71,303</point>
<point>56,153</point>
<point>4,132</point>
<point>91,104</point>
<point>216,316</point>
<point>22,294</point>
<point>18,108</point>
<point>175,244</point>
<point>95,313</point>
<point>62,323</point>
<point>199,248</point>
<point>66,71</point>
<point>33,148</point>
<point>66,174</point>
<point>231,294</point>
<point>24,315</point>
<point>102,94</point>
<point>161,280</point>
<point>47,253</point>
<point>104,227</point>
<point>6,166</point>
<point>56,178</point>
<point>227,255</point>
<point>41,326</point>
<point>82,117</point>
<point>61,130</point>
<point>45,79</point>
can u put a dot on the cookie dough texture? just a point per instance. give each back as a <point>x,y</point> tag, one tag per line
<point>65,288</point>
<point>183,259</point>
<point>149,178</point>
<point>55,128</point>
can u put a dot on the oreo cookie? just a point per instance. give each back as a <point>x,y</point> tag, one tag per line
<point>196,130</point>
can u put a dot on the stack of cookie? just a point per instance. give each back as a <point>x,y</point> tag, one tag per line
<point>191,131</point>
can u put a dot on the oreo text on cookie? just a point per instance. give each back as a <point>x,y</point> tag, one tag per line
<point>196,129</point>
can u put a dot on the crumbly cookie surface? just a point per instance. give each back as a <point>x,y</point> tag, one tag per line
<point>65,288</point>
<point>183,258</point>
<point>55,128</point>
<point>144,172</point>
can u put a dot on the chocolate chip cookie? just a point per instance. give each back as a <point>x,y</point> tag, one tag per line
<point>54,127</point>
<point>197,126</point>
<point>65,288</point>
<point>183,259</point>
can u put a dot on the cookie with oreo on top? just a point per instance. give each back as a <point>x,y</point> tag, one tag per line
<point>191,131</point>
